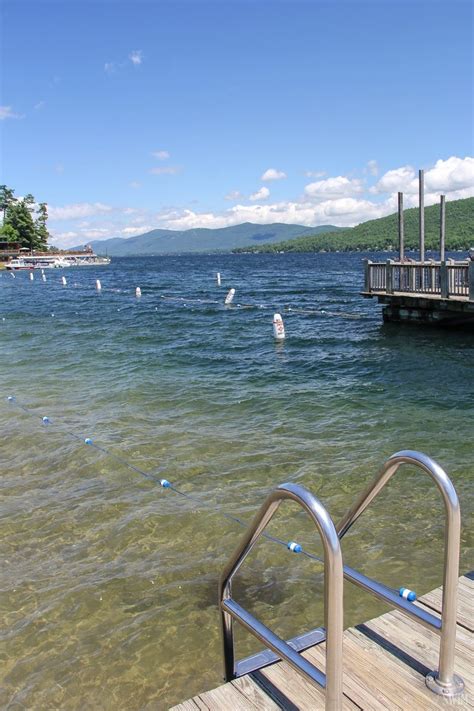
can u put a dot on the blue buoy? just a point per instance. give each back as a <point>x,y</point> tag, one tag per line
<point>407,594</point>
<point>88,440</point>
<point>46,420</point>
<point>165,483</point>
<point>294,547</point>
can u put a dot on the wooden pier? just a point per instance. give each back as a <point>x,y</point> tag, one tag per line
<point>440,293</point>
<point>385,664</point>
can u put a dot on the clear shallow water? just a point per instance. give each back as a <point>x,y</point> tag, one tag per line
<point>108,590</point>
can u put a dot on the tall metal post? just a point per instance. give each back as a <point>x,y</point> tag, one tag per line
<point>442,228</point>
<point>401,228</point>
<point>421,183</point>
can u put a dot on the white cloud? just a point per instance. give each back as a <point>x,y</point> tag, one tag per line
<point>39,105</point>
<point>134,184</point>
<point>334,188</point>
<point>166,170</point>
<point>79,210</point>
<point>110,67</point>
<point>338,201</point>
<point>233,195</point>
<point>315,173</point>
<point>398,180</point>
<point>261,194</point>
<point>59,168</point>
<point>273,174</point>
<point>372,167</point>
<point>136,57</point>
<point>6,112</point>
<point>446,176</point>
<point>161,155</point>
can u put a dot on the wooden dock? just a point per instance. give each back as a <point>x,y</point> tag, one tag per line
<point>385,663</point>
<point>440,293</point>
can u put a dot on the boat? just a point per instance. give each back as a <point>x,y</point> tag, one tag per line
<point>55,261</point>
<point>34,262</point>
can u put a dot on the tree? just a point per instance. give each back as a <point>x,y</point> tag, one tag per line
<point>8,233</point>
<point>19,217</point>
<point>6,199</point>
<point>42,234</point>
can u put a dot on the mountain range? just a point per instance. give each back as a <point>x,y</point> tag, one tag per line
<point>203,240</point>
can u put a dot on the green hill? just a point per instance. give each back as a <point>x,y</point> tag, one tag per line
<point>382,234</point>
<point>203,240</point>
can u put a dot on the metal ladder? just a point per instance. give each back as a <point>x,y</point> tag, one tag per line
<point>443,681</point>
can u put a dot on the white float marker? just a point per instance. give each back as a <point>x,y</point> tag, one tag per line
<point>11,274</point>
<point>63,281</point>
<point>43,275</point>
<point>138,292</point>
<point>218,277</point>
<point>229,297</point>
<point>31,276</point>
<point>278,327</point>
<point>98,285</point>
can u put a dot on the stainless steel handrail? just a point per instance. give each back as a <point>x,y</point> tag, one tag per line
<point>443,681</point>
<point>333,596</point>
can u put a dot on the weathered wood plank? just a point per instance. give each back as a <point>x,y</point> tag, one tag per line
<point>465,607</point>
<point>299,693</point>
<point>422,645</point>
<point>385,662</point>
<point>254,694</point>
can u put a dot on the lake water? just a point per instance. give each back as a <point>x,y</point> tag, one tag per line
<point>108,588</point>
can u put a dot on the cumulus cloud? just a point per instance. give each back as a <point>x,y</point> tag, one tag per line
<point>79,210</point>
<point>372,167</point>
<point>398,180</point>
<point>334,188</point>
<point>273,174</point>
<point>261,194</point>
<point>453,175</point>
<point>166,170</point>
<point>6,112</point>
<point>340,201</point>
<point>161,155</point>
<point>136,57</point>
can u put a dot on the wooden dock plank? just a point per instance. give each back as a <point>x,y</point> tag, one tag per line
<point>393,686</point>
<point>385,664</point>
<point>465,613</point>
<point>300,694</point>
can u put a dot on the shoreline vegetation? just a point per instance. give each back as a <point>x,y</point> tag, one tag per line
<point>382,234</point>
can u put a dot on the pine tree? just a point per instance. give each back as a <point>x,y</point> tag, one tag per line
<point>42,234</point>
<point>19,217</point>
<point>6,199</point>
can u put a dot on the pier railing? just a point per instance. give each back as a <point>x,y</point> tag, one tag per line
<point>448,280</point>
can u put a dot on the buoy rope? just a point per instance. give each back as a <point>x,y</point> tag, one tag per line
<point>292,546</point>
<point>164,483</point>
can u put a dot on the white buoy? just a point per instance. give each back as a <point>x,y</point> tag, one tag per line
<point>31,276</point>
<point>278,327</point>
<point>98,285</point>
<point>63,281</point>
<point>218,276</point>
<point>138,292</point>
<point>43,276</point>
<point>230,296</point>
<point>11,274</point>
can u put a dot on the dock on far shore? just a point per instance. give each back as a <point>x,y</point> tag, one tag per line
<point>385,662</point>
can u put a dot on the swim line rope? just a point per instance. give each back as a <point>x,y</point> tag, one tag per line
<point>292,546</point>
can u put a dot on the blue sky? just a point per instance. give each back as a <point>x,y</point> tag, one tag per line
<point>125,116</point>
